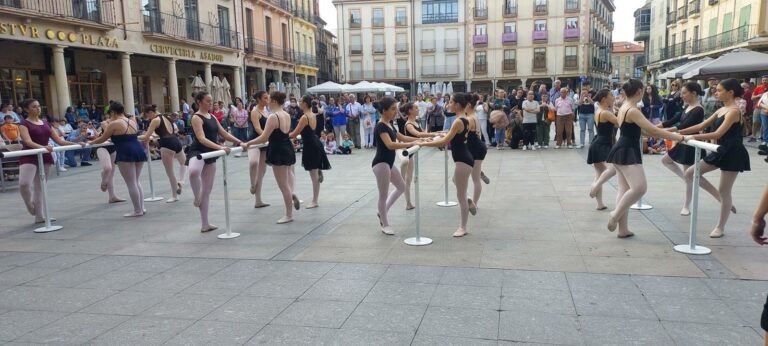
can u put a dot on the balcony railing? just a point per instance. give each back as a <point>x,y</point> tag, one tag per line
<point>94,11</point>
<point>671,18</point>
<point>481,13</point>
<point>377,22</point>
<point>539,64</point>
<point>427,45</point>
<point>440,71</point>
<point>509,38</point>
<point>540,35</point>
<point>571,62</point>
<point>451,44</point>
<point>286,5</point>
<point>676,50</point>
<point>379,74</point>
<point>540,10</point>
<point>355,23</point>
<point>401,47</point>
<point>268,49</point>
<point>509,65</point>
<point>438,18</point>
<point>694,7</point>
<point>572,33</point>
<point>305,59</point>
<point>571,6</point>
<point>156,22</point>
<point>401,21</point>
<point>355,49</point>
<point>480,67</point>
<point>682,12</point>
<point>724,40</point>
<point>480,40</point>
<point>510,10</point>
<point>379,48</point>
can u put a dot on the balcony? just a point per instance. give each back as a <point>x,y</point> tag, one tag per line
<point>437,18</point>
<point>355,49</point>
<point>571,6</point>
<point>510,10</point>
<point>642,30</point>
<point>285,5</point>
<point>600,65</point>
<point>379,48</point>
<point>401,47</point>
<point>427,45</point>
<point>98,14</point>
<point>440,71</point>
<point>539,65</point>
<point>379,74</point>
<point>509,65</point>
<point>509,38</point>
<point>682,14</point>
<point>694,8</point>
<point>401,21</point>
<point>676,50</point>
<point>671,18</point>
<point>480,40</point>
<point>571,62</point>
<point>540,10</point>
<point>480,68</point>
<point>451,44</point>
<point>355,23</point>
<point>728,39</point>
<point>570,34</point>
<point>481,13</point>
<point>540,35</point>
<point>161,24</point>
<point>267,49</point>
<point>377,22</point>
<point>305,59</point>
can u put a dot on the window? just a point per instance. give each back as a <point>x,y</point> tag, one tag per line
<point>510,60</point>
<point>510,27</point>
<point>356,72</point>
<point>18,85</point>
<point>571,5</point>
<point>428,66</point>
<point>451,65</point>
<point>378,44</point>
<point>249,30</point>
<point>540,25</point>
<point>510,7</point>
<point>539,58</point>
<point>193,25</point>
<point>379,70</point>
<point>481,64</point>
<point>401,42</point>
<point>224,33</point>
<point>481,30</point>
<point>355,19</point>
<point>439,11</point>
<point>451,40</point>
<point>377,20</point>
<point>402,68</point>
<point>355,45</point>
<point>572,23</point>
<point>427,41</point>
<point>401,18</point>
<point>571,57</point>
<point>540,7</point>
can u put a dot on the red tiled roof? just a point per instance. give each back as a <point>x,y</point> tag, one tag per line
<point>628,47</point>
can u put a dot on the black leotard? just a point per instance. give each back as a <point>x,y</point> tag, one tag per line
<point>459,150</point>
<point>476,147</point>
<point>262,123</point>
<point>686,154</point>
<point>627,148</point>
<point>732,155</point>
<point>383,154</point>
<point>313,155</point>
<point>211,132</point>
<point>280,149</point>
<point>601,145</point>
<point>167,139</point>
<point>407,133</point>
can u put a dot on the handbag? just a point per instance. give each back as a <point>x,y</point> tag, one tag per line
<point>550,114</point>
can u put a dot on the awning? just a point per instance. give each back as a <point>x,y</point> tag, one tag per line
<point>737,63</point>
<point>681,70</point>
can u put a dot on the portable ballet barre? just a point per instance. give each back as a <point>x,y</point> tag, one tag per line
<point>223,154</point>
<point>446,202</point>
<point>43,181</point>
<point>691,247</point>
<point>152,197</point>
<point>418,239</point>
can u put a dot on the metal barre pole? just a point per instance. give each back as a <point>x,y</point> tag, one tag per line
<point>229,234</point>
<point>44,186</point>
<point>418,239</point>
<point>152,197</point>
<point>446,202</point>
<point>691,248</point>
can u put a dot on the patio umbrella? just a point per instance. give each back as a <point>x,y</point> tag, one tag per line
<point>213,88</point>
<point>432,89</point>
<point>272,87</point>
<point>327,87</point>
<point>450,88</point>
<point>742,62</point>
<point>365,86</point>
<point>198,84</point>
<point>226,91</point>
<point>682,70</point>
<point>444,88</point>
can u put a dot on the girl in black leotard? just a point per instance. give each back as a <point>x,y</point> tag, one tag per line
<point>628,159</point>
<point>313,156</point>
<point>599,148</point>
<point>732,157</point>
<point>170,148</point>
<point>478,149</point>
<point>280,153</point>
<point>206,130</point>
<point>257,159</point>
<point>412,129</point>
<point>384,162</point>
<point>464,161</point>
<point>106,157</point>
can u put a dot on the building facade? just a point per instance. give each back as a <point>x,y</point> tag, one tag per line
<point>268,53</point>
<point>684,30</point>
<point>304,47</point>
<point>476,44</point>
<point>627,59</point>
<point>327,55</point>
<point>67,52</point>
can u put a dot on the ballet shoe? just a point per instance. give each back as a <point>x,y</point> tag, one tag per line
<point>209,228</point>
<point>178,188</point>
<point>196,203</point>
<point>484,178</point>
<point>172,200</point>
<point>53,219</point>
<point>625,235</point>
<point>409,207</point>
<point>685,211</point>
<point>134,214</point>
<point>472,207</point>
<point>261,205</point>
<point>601,208</point>
<point>103,187</point>
<point>296,202</point>
<point>312,206</point>
<point>716,233</point>
<point>460,233</point>
<point>733,209</point>
<point>612,223</point>
<point>116,200</point>
<point>284,219</point>
<point>320,177</point>
<point>387,230</point>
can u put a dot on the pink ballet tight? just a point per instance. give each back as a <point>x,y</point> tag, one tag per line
<point>257,162</point>
<point>29,177</point>
<point>285,180</point>
<point>407,173</point>
<point>632,186</point>
<point>201,177</point>
<point>107,162</point>
<point>385,175</point>
<point>461,178</point>
<point>603,173</point>
<point>167,156</point>
<point>476,182</point>
<point>131,172</point>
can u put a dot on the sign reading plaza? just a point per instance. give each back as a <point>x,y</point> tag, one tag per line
<point>34,32</point>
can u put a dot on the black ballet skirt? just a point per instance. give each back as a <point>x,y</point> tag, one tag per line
<point>732,156</point>
<point>280,149</point>
<point>686,154</point>
<point>627,148</point>
<point>601,144</point>
<point>128,148</point>
<point>313,155</point>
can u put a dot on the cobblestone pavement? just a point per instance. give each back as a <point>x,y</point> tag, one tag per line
<point>538,266</point>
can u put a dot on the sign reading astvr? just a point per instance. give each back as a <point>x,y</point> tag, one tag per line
<point>34,32</point>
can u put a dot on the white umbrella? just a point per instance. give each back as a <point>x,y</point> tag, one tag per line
<point>226,91</point>
<point>364,86</point>
<point>444,88</point>
<point>213,88</point>
<point>198,84</point>
<point>682,70</point>
<point>432,89</point>
<point>327,87</point>
<point>389,87</point>
<point>450,88</point>
<point>272,87</point>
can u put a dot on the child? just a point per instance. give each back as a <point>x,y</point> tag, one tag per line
<point>330,145</point>
<point>346,145</point>
<point>9,130</point>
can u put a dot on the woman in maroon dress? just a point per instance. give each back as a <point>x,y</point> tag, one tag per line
<point>35,133</point>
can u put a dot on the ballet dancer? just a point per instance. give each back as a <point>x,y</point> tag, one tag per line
<point>599,148</point>
<point>257,159</point>
<point>129,153</point>
<point>627,157</point>
<point>457,136</point>
<point>412,129</point>
<point>35,133</point>
<point>280,153</point>
<point>732,157</point>
<point>383,164</point>
<point>206,131</point>
<point>477,148</point>
<point>170,149</point>
<point>313,156</point>
<point>106,155</point>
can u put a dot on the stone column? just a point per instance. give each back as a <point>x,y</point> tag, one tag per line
<point>261,79</point>
<point>278,79</point>
<point>208,75</point>
<point>127,83</point>
<point>304,84</point>
<point>62,86</point>
<point>173,85</point>
<point>469,85</point>
<point>236,82</point>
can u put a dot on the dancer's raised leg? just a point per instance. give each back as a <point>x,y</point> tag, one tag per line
<point>167,156</point>
<point>382,172</point>
<point>207,176</point>
<point>727,179</point>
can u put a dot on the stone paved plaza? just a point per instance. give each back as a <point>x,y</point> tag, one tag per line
<point>538,266</point>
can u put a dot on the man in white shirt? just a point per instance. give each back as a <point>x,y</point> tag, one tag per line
<point>423,106</point>
<point>353,110</point>
<point>530,109</point>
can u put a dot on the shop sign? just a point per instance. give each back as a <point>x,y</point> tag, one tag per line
<point>186,53</point>
<point>63,36</point>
